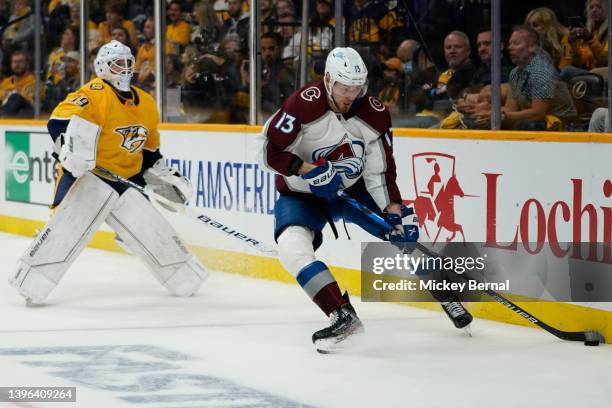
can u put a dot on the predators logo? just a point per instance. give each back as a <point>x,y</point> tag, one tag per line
<point>134,137</point>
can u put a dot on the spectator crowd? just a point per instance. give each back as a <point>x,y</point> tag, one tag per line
<point>429,61</point>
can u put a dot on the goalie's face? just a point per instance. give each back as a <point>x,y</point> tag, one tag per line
<point>123,66</point>
<point>115,64</point>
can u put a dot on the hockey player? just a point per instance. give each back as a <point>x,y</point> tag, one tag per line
<point>110,124</point>
<point>327,137</point>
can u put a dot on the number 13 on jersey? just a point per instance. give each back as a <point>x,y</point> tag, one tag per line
<point>285,123</point>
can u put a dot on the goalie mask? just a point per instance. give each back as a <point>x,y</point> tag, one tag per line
<point>115,64</point>
<point>344,65</point>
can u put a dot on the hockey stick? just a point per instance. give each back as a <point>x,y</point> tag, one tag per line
<point>591,338</point>
<point>183,209</point>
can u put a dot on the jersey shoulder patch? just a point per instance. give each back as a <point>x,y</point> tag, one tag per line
<point>374,113</point>
<point>307,103</point>
<point>96,86</point>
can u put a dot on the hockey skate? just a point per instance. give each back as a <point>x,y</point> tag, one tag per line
<point>459,315</point>
<point>344,325</point>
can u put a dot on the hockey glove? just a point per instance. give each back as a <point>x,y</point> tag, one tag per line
<point>168,183</point>
<point>324,181</point>
<point>76,164</point>
<point>405,231</point>
<point>79,146</point>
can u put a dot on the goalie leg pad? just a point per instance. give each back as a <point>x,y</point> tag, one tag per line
<point>147,234</point>
<point>83,209</point>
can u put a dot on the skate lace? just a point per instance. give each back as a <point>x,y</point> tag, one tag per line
<point>454,308</point>
<point>337,315</point>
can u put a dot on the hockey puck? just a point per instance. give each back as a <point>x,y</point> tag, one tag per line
<point>591,342</point>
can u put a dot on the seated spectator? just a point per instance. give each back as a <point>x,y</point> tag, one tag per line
<point>599,122</point>
<point>482,75</point>
<point>20,30</point>
<point>55,66</point>
<point>391,89</point>
<point>17,90</point>
<point>392,25</point>
<point>178,31</point>
<point>277,80</point>
<point>291,35</point>
<point>144,67</point>
<point>69,82</point>
<point>206,34</point>
<point>267,16</point>
<point>321,37</point>
<point>284,7</point>
<point>114,18</point>
<point>237,22</point>
<point>587,47</point>
<point>94,39</point>
<point>405,52</point>
<point>551,33</point>
<point>123,36</point>
<point>537,98</point>
<point>363,17</point>
<point>460,70</point>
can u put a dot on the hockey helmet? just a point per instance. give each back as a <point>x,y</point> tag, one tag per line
<point>345,65</point>
<point>115,64</point>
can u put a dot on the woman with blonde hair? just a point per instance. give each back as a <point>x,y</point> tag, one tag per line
<point>587,46</point>
<point>208,25</point>
<point>544,21</point>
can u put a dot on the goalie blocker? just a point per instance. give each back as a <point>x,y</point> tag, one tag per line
<point>89,202</point>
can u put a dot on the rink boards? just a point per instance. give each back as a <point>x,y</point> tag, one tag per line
<point>508,188</point>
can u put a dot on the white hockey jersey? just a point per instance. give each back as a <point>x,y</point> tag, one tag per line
<point>358,143</point>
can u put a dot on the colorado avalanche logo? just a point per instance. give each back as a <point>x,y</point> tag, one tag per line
<point>134,137</point>
<point>376,105</point>
<point>311,93</point>
<point>347,157</point>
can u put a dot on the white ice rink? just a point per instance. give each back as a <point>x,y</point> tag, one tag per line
<point>113,332</point>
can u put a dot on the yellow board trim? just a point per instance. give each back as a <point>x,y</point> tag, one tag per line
<point>560,315</point>
<point>505,135</point>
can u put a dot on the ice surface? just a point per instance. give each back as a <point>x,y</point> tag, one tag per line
<point>113,332</point>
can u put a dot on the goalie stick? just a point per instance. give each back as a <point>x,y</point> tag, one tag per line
<point>590,338</point>
<point>180,208</point>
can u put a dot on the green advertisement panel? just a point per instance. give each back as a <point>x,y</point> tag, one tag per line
<point>30,170</point>
<point>17,172</point>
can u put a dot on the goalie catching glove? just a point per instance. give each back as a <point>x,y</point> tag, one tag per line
<point>323,180</point>
<point>167,183</point>
<point>405,228</point>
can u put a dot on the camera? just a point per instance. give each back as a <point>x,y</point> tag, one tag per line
<point>574,22</point>
<point>205,42</point>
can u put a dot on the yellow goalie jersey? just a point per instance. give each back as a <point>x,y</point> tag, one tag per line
<point>129,124</point>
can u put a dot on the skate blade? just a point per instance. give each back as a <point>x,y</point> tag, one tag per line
<point>468,330</point>
<point>338,345</point>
